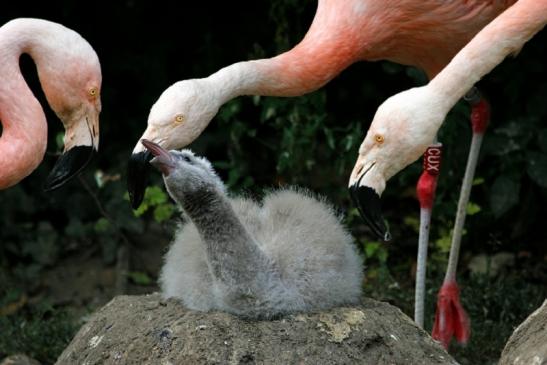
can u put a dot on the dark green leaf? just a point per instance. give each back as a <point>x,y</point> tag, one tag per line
<point>139,278</point>
<point>542,140</point>
<point>537,168</point>
<point>504,195</point>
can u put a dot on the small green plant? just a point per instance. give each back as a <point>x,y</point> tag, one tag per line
<point>157,201</point>
<point>140,278</point>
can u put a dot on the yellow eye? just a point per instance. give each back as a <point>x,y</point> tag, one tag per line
<point>379,138</point>
<point>93,92</point>
<point>179,119</point>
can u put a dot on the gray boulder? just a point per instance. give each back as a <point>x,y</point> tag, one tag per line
<point>19,359</point>
<point>528,343</point>
<point>150,330</point>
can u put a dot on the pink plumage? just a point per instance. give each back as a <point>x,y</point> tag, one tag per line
<point>71,81</point>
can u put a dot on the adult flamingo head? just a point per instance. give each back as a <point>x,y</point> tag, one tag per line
<point>403,127</point>
<point>70,75</point>
<point>177,118</point>
<point>71,79</point>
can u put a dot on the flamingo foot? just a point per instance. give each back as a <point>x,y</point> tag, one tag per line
<point>451,320</point>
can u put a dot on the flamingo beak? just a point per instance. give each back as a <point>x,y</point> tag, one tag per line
<point>137,176</point>
<point>81,143</point>
<point>162,160</point>
<point>138,168</point>
<point>68,165</point>
<point>367,200</point>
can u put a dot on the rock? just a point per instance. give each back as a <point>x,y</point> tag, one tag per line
<point>149,330</point>
<point>528,343</point>
<point>19,359</point>
<point>491,265</point>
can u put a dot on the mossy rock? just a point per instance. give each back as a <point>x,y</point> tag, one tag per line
<point>149,330</point>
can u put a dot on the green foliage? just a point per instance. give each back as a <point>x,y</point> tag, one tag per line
<point>493,304</point>
<point>41,332</point>
<point>139,278</point>
<point>472,208</point>
<point>60,141</point>
<point>504,195</point>
<point>157,200</point>
<point>377,251</point>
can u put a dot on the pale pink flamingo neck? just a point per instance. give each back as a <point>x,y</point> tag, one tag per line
<point>503,36</point>
<point>24,135</point>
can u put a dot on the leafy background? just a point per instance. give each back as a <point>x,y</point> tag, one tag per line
<point>65,253</point>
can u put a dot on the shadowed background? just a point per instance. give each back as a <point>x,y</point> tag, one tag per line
<point>71,250</point>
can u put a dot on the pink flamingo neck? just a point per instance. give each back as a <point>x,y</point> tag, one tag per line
<point>503,36</point>
<point>333,42</point>
<point>347,31</point>
<point>24,128</point>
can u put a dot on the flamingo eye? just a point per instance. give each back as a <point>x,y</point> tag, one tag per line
<point>379,138</point>
<point>179,119</point>
<point>93,92</point>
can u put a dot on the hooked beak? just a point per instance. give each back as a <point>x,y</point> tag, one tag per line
<point>368,201</point>
<point>68,165</point>
<point>81,143</point>
<point>137,176</point>
<point>162,158</point>
<point>138,169</point>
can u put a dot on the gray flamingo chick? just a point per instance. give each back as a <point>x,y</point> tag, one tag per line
<point>288,254</point>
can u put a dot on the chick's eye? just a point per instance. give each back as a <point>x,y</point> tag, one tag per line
<point>179,119</point>
<point>379,138</point>
<point>93,92</point>
<point>187,159</point>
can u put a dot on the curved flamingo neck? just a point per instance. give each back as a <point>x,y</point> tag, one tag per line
<point>503,36</point>
<point>346,31</point>
<point>333,42</point>
<point>296,72</point>
<point>24,135</point>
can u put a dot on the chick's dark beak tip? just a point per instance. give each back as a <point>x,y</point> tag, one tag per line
<point>68,166</point>
<point>369,205</point>
<point>137,177</point>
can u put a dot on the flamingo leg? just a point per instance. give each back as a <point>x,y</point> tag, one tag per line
<point>450,318</point>
<point>427,184</point>
<point>423,241</point>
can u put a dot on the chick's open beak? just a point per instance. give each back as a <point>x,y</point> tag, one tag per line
<point>162,160</point>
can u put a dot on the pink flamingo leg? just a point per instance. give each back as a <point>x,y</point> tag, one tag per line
<point>427,184</point>
<point>451,318</point>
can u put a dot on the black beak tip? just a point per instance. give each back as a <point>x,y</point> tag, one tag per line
<point>68,165</point>
<point>369,204</point>
<point>137,177</point>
